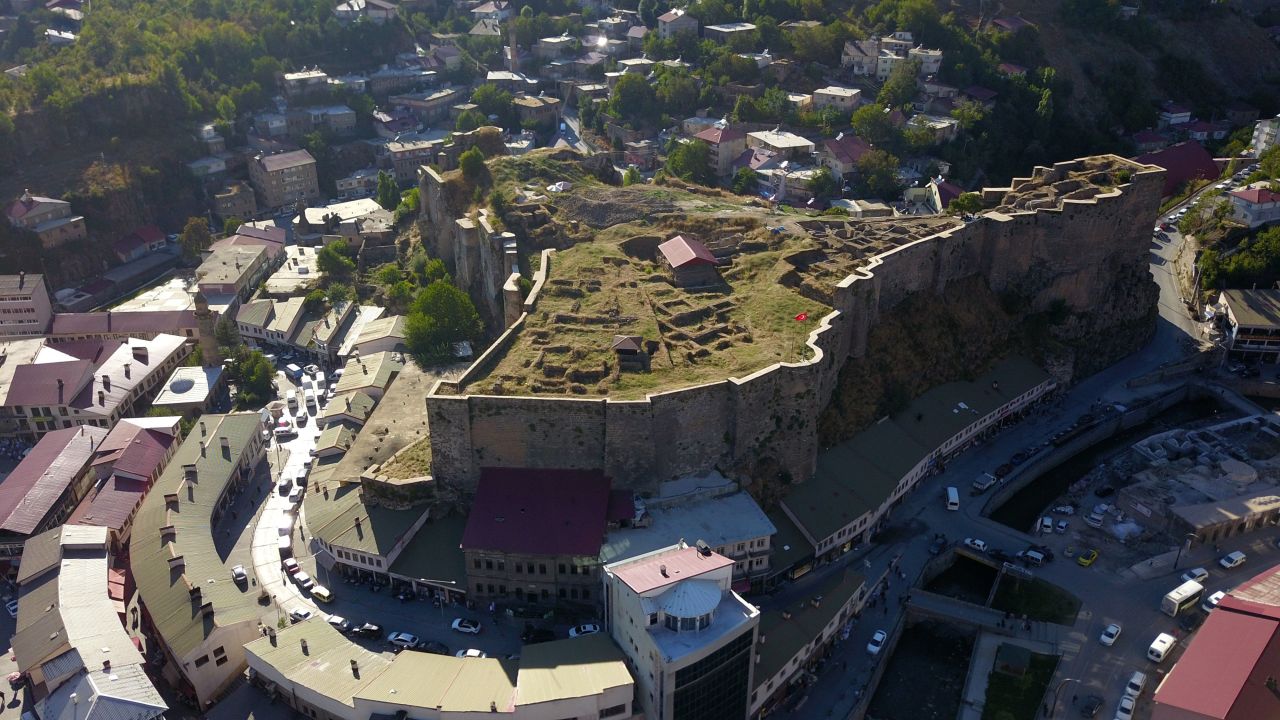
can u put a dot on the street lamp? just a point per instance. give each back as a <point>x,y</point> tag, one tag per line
<point>1053,709</point>
<point>1184,546</point>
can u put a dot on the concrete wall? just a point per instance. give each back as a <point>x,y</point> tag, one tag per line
<point>738,424</point>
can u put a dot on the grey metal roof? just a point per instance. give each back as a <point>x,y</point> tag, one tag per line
<point>720,522</point>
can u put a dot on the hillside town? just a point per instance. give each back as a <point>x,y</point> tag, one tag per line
<point>691,362</point>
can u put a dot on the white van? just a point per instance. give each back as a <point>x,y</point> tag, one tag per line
<point>1161,647</point>
<point>291,400</point>
<point>311,399</point>
<point>983,483</point>
<point>953,498</point>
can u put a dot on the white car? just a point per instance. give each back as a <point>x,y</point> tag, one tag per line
<point>975,544</point>
<point>1063,510</point>
<point>1232,560</point>
<point>588,629</point>
<point>304,580</point>
<point>297,615</point>
<point>877,642</point>
<point>1124,711</point>
<point>1109,634</point>
<point>12,607</point>
<point>1195,575</point>
<point>403,640</point>
<point>238,574</point>
<point>1061,527</point>
<point>470,653</point>
<point>291,566</point>
<point>1211,603</point>
<point>463,625</point>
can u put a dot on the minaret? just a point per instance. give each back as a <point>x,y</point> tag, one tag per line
<point>514,60</point>
<point>206,319</point>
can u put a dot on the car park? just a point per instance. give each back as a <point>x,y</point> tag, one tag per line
<point>1198,574</point>
<point>464,625</point>
<point>471,653</point>
<point>1087,558</point>
<point>877,642</point>
<point>975,544</point>
<point>587,629</point>
<point>1109,634</point>
<point>403,640</point>
<point>1232,560</point>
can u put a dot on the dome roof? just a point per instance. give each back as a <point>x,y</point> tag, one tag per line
<point>691,598</point>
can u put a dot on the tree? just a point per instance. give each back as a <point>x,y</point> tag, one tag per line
<point>339,293</point>
<point>632,176</point>
<point>195,238</point>
<point>469,120</point>
<point>253,374</point>
<point>968,114</point>
<point>399,296</point>
<point>900,88</point>
<point>633,99</point>
<point>428,269</point>
<point>493,100</point>
<point>410,201</point>
<point>441,316</point>
<point>314,302</point>
<point>226,108</point>
<point>677,92</point>
<point>334,260</point>
<point>878,175</point>
<point>388,193</point>
<point>691,161</point>
<point>823,184</point>
<point>472,164</point>
<point>649,13</point>
<point>965,204</point>
<point>231,224</point>
<point>872,123</point>
<point>745,181</point>
<point>226,333</point>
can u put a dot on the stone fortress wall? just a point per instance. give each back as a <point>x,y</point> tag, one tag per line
<point>1067,246</point>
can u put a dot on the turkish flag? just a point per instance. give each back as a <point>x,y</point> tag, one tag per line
<point>802,317</point>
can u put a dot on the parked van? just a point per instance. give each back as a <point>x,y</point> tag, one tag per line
<point>953,498</point>
<point>311,398</point>
<point>1161,647</point>
<point>291,400</point>
<point>1032,557</point>
<point>320,593</point>
<point>293,371</point>
<point>1046,525</point>
<point>983,483</point>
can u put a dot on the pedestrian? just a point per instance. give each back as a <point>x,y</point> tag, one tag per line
<point>1074,698</point>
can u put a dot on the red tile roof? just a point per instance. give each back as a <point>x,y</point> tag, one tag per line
<point>715,135</point>
<point>1257,195</point>
<point>538,512</point>
<point>1146,137</point>
<point>848,149</point>
<point>661,569</point>
<point>979,93</point>
<point>1214,672</point>
<point>25,204</point>
<point>680,251</point>
<point>112,504</point>
<point>1011,69</point>
<point>126,245</point>
<point>133,450</point>
<point>1182,162</point>
<point>35,385</point>
<point>947,192</point>
<point>34,486</point>
<point>149,234</point>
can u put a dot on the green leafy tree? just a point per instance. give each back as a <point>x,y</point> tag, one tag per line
<point>632,177</point>
<point>314,301</point>
<point>340,293</point>
<point>968,114</point>
<point>691,161</point>
<point>427,269</point>
<point>231,224</point>
<point>900,88</point>
<point>440,317</point>
<point>493,100</point>
<point>872,123</point>
<point>878,175</point>
<point>388,274</point>
<point>472,163</point>
<point>649,13</point>
<point>334,260</point>
<point>469,120</point>
<point>965,204</point>
<point>226,333</point>
<point>633,99</point>
<point>195,238</point>
<point>824,184</point>
<point>399,296</point>
<point>253,374</point>
<point>677,92</point>
<point>226,108</point>
<point>388,193</point>
<point>745,181</point>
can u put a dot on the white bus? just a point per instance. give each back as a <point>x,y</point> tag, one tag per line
<point>1184,596</point>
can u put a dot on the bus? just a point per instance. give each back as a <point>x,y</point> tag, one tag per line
<point>1184,596</point>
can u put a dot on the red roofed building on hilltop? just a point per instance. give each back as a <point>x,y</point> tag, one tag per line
<point>691,262</point>
<point>1255,206</point>
<point>726,145</point>
<point>49,218</point>
<point>1230,667</point>
<point>534,536</point>
<point>1183,163</point>
<point>842,154</point>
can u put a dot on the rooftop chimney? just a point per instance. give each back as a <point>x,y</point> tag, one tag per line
<point>355,669</point>
<point>663,569</point>
<point>106,665</point>
<point>203,431</point>
<point>102,398</point>
<point>126,369</point>
<point>106,381</point>
<point>305,650</point>
<point>22,278</point>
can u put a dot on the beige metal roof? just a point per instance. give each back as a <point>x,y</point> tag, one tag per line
<point>325,665</point>
<point>373,371</point>
<point>578,667</point>
<point>166,591</point>
<point>447,684</point>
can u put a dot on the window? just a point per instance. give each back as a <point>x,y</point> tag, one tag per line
<point>615,710</point>
<point>542,569</point>
<point>562,569</point>
<point>586,594</point>
<point>202,661</point>
<point>561,593</point>
<point>488,564</point>
<point>573,593</point>
<point>519,568</point>
<point>221,661</point>
<point>218,651</point>
<point>502,566</point>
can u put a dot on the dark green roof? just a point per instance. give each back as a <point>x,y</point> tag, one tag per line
<point>332,516</point>
<point>782,637</point>
<point>788,545</point>
<point>435,552</point>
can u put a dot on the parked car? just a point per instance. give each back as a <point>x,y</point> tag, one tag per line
<point>297,615</point>
<point>1109,634</point>
<point>12,607</point>
<point>403,640</point>
<point>463,625</point>
<point>291,566</point>
<point>1232,560</point>
<point>587,629</point>
<point>367,630</point>
<point>975,544</point>
<point>877,642</point>
<point>1090,706</point>
<point>1093,520</point>
<point>1124,711</point>
<point>434,647</point>
<point>1046,525</point>
<point>1198,574</point>
<point>303,580</point>
<point>1137,681</point>
<point>1063,510</point>
<point>1087,558</point>
<point>239,575</point>
<point>939,544</point>
<point>1061,527</point>
<point>471,653</point>
<point>533,636</point>
<point>1211,603</point>
<point>340,624</point>
<point>1191,620</point>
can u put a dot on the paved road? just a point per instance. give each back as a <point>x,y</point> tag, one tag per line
<point>1107,596</point>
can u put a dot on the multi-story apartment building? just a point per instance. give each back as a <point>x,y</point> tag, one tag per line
<point>25,310</point>
<point>1252,323</point>
<point>49,218</point>
<point>230,274</point>
<point>282,180</point>
<point>1265,135</point>
<point>726,146</point>
<point>236,200</point>
<point>689,638</point>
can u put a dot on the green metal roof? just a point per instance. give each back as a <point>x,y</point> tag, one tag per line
<point>788,545</point>
<point>337,515</point>
<point>166,591</point>
<point>435,552</point>
<point>782,637</point>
